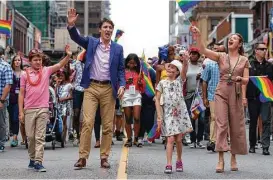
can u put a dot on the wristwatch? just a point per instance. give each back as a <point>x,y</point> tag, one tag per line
<point>2,101</point>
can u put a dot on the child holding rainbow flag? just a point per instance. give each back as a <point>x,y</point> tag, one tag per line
<point>172,117</point>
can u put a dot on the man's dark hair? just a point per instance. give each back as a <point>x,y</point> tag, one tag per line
<point>257,44</point>
<point>104,20</point>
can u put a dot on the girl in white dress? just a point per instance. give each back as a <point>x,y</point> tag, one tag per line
<point>64,93</point>
<point>172,116</point>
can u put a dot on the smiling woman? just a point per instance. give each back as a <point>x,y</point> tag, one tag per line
<point>230,94</point>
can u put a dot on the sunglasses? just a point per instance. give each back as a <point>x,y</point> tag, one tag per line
<point>262,49</point>
<point>34,52</point>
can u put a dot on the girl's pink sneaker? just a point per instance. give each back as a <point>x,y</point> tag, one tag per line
<point>168,169</point>
<point>179,166</point>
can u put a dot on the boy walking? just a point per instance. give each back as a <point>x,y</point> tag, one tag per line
<point>34,104</point>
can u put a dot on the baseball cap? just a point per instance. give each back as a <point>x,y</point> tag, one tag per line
<point>194,49</point>
<point>178,64</point>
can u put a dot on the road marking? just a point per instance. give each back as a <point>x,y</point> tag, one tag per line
<point>122,169</point>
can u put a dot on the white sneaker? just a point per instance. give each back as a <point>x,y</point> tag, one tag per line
<point>76,142</point>
<point>188,139</point>
<point>200,145</point>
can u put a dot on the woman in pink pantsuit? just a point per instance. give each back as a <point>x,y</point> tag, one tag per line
<point>229,98</point>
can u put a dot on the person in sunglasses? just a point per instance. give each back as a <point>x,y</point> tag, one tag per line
<point>34,103</point>
<point>259,67</point>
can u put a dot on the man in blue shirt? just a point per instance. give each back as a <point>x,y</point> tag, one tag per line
<point>6,80</point>
<point>210,77</point>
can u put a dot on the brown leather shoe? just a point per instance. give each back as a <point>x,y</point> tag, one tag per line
<point>81,163</point>
<point>104,163</point>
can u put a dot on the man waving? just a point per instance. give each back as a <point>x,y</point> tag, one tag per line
<point>103,81</point>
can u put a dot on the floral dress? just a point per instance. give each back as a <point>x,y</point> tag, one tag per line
<point>65,108</point>
<point>176,118</point>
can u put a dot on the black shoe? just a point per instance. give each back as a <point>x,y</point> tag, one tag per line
<point>265,151</point>
<point>118,137</point>
<point>209,146</point>
<point>213,146</point>
<point>122,135</point>
<point>252,149</point>
<point>71,137</point>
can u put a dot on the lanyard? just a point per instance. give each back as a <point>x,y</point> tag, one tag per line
<point>230,71</point>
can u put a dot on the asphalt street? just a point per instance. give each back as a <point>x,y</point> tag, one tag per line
<point>141,163</point>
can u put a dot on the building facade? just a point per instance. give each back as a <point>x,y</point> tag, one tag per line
<point>209,13</point>
<point>43,14</point>
<point>90,14</point>
<point>233,23</point>
<point>179,25</point>
<point>262,24</point>
<point>20,27</point>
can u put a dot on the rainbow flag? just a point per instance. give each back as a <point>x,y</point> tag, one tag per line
<point>264,84</point>
<point>154,133</point>
<point>197,106</point>
<point>145,66</point>
<point>5,27</point>
<point>118,34</point>
<point>185,5</point>
<point>149,88</point>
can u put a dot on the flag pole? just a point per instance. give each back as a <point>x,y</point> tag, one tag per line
<point>257,76</point>
<point>187,18</point>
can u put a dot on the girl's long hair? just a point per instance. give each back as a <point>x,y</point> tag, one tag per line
<point>13,65</point>
<point>135,58</point>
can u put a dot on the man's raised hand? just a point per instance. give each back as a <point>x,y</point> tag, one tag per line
<point>72,17</point>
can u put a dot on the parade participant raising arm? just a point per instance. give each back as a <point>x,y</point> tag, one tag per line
<point>34,104</point>
<point>172,117</point>
<point>103,80</point>
<point>229,96</point>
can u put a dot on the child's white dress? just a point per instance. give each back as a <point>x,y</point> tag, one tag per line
<point>176,118</point>
<point>65,108</point>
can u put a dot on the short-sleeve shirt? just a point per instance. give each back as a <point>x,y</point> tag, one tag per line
<point>224,67</point>
<point>36,96</point>
<point>64,90</point>
<point>211,76</point>
<point>6,75</point>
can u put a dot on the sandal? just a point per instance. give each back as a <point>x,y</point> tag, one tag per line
<point>128,143</point>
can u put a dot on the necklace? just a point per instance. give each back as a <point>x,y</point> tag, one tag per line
<point>37,81</point>
<point>230,71</point>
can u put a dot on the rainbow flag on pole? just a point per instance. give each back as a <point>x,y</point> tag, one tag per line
<point>265,85</point>
<point>149,89</point>
<point>154,133</point>
<point>185,5</point>
<point>118,34</point>
<point>5,27</point>
<point>197,106</point>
